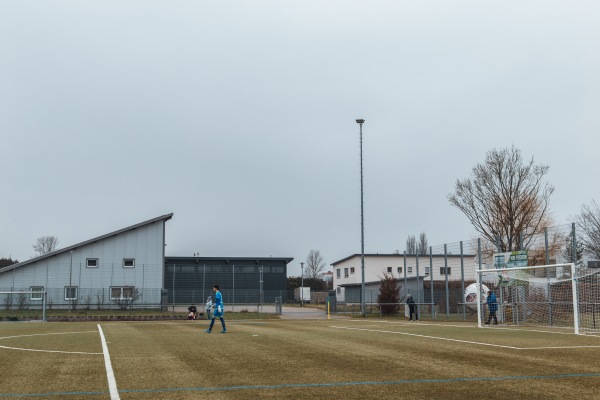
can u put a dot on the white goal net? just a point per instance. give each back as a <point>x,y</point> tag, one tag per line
<point>558,296</point>
<point>26,305</point>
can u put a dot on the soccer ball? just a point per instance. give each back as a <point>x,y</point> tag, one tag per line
<point>470,297</point>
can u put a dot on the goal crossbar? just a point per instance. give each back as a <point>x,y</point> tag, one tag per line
<point>570,265</point>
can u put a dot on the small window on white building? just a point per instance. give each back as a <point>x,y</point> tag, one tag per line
<point>444,271</point>
<point>91,263</point>
<point>70,292</point>
<point>426,270</point>
<point>338,273</point>
<point>345,272</point>
<point>36,293</point>
<point>351,270</point>
<point>129,263</point>
<point>409,270</point>
<point>399,270</point>
<point>389,270</point>
<point>122,292</point>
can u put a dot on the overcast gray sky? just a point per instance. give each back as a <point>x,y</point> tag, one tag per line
<point>239,117</point>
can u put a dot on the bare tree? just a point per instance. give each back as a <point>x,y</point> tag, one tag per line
<point>416,247</point>
<point>45,245</point>
<point>422,244</point>
<point>411,245</point>
<point>506,199</point>
<point>588,222</point>
<point>315,265</point>
<point>129,296</point>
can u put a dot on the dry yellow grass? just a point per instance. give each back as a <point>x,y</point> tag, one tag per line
<point>308,359</point>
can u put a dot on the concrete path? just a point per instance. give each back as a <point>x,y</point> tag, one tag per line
<point>300,312</point>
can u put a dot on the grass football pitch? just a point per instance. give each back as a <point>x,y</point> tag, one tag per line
<point>350,358</point>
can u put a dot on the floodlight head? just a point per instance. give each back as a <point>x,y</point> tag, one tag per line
<point>360,121</point>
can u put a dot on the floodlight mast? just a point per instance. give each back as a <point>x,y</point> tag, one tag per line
<point>363,308</point>
<point>302,286</point>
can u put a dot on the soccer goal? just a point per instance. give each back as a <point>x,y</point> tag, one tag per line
<point>558,296</point>
<point>23,305</point>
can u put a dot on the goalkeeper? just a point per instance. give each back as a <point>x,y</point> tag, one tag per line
<point>219,310</point>
<point>492,307</point>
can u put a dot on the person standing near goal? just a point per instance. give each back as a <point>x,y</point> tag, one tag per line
<point>219,310</point>
<point>411,307</point>
<point>492,307</point>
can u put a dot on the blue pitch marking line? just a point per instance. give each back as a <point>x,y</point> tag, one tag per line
<point>308,385</point>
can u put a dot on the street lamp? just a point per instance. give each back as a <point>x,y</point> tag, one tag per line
<point>302,286</point>
<point>362,227</point>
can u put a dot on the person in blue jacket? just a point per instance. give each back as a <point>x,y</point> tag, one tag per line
<point>219,310</point>
<point>492,307</point>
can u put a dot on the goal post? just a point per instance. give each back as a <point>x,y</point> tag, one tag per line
<point>546,296</point>
<point>23,305</point>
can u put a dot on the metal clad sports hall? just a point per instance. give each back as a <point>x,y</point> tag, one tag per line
<point>128,266</point>
<point>241,280</point>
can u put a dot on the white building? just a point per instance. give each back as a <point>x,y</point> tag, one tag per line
<point>411,270</point>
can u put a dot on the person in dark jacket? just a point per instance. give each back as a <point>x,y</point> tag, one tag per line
<point>492,307</point>
<point>192,312</point>
<point>411,307</point>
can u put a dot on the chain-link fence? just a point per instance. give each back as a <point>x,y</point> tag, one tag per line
<point>439,280</point>
<point>447,294</point>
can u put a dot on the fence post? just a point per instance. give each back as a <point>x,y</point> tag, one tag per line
<point>405,273</point>
<point>431,281</point>
<point>418,291</point>
<point>462,279</point>
<point>574,243</point>
<point>479,283</point>
<point>174,287</point>
<point>446,275</point>
<point>546,246</point>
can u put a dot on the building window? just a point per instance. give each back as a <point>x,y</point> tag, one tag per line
<point>122,292</point>
<point>338,273</point>
<point>351,270</point>
<point>409,270</point>
<point>129,263</point>
<point>426,270</point>
<point>36,294</point>
<point>389,270</point>
<point>444,271</point>
<point>91,262</point>
<point>399,270</point>
<point>345,272</point>
<point>70,292</point>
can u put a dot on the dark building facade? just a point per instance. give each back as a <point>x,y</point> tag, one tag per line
<point>242,280</point>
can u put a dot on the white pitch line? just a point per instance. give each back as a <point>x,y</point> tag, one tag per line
<point>112,383</point>
<point>48,351</point>
<point>45,334</point>
<point>426,336</point>
<point>558,347</point>
<point>467,341</point>
<point>506,328</point>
